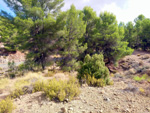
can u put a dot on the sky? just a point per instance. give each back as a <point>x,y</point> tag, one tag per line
<point>125,10</point>
<point>4,7</point>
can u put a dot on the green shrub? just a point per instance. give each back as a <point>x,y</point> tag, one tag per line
<point>109,82</point>
<point>12,74</point>
<point>137,78</point>
<point>144,77</point>
<point>21,67</point>
<point>12,70</point>
<point>94,71</point>
<point>11,65</point>
<point>6,106</point>
<point>62,90</point>
<point>16,71</point>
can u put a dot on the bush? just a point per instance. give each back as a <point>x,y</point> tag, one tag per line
<point>21,67</point>
<point>16,71</point>
<point>28,80</point>
<point>53,89</point>
<point>38,86</point>
<point>26,84</point>
<point>17,93</point>
<point>94,71</point>
<point>12,70</point>
<point>62,90</point>
<point>6,106</point>
<point>92,81</point>
<point>137,78</point>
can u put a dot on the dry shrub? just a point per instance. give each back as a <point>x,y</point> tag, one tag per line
<point>17,93</point>
<point>4,82</point>
<point>92,81</point>
<point>39,85</point>
<point>62,90</point>
<point>6,106</point>
<point>27,81</point>
<point>49,74</point>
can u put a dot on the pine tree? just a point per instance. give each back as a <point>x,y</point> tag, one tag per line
<point>138,31</point>
<point>90,19</point>
<point>37,29</point>
<point>74,30</point>
<point>108,38</point>
<point>129,34</point>
<point>145,35</point>
<point>8,33</point>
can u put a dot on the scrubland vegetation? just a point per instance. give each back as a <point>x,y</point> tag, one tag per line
<point>93,71</point>
<point>6,106</point>
<point>84,41</point>
<point>3,82</point>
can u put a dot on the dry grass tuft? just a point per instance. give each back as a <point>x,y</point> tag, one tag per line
<point>4,82</point>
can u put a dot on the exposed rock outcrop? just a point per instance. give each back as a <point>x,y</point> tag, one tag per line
<point>136,64</point>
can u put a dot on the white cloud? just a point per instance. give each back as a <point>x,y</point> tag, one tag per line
<point>86,0</point>
<point>125,10</point>
<point>130,11</point>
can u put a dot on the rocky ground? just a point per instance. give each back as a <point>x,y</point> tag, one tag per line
<point>17,57</point>
<point>125,96</point>
<point>122,97</point>
<point>136,64</point>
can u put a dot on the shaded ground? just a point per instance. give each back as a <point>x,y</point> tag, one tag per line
<point>136,52</point>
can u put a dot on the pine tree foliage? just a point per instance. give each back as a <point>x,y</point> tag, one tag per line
<point>129,33</point>
<point>90,19</point>
<point>137,33</point>
<point>37,27</point>
<point>74,30</point>
<point>108,38</point>
<point>145,35</point>
<point>34,8</point>
<point>41,29</point>
<point>8,33</point>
